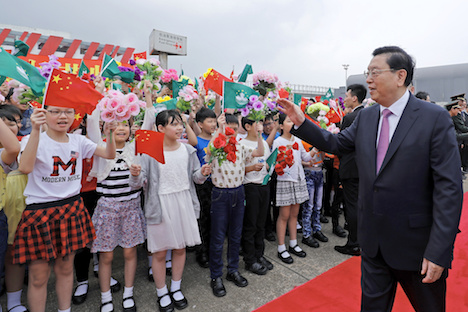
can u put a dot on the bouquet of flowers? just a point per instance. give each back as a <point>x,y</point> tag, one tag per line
<point>47,67</point>
<point>117,106</point>
<point>264,82</point>
<point>224,147</point>
<point>187,97</point>
<point>368,102</point>
<point>167,77</point>
<point>138,72</point>
<point>257,110</point>
<point>151,71</point>
<point>285,158</point>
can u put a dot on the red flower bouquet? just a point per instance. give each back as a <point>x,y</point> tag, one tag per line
<point>223,148</point>
<point>285,158</point>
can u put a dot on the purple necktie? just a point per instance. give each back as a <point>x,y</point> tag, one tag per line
<point>382,146</point>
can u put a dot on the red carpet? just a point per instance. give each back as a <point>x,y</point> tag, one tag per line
<point>339,289</point>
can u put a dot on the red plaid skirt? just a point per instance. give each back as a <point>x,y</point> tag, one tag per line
<point>51,230</point>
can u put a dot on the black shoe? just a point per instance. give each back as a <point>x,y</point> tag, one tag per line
<point>106,303</point>
<point>300,254</point>
<point>179,304</point>
<point>237,279</point>
<point>218,287</point>
<point>81,298</point>
<point>323,219</point>
<point>267,264</point>
<point>270,237</point>
<point>168,271</point>
<point>310,241</point>
<point>150,275</point>
<point>116,287</point>
<point>287,260</point>
<point>202,260</point>
<point>256,268</point>
<point>168,308</point>
<point>338,231</point>
<point>349,250</point>
<point>96,274</point>
<point>319,235</point>
<point>130,309</point>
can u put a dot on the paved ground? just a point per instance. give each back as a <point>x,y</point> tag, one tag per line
<point>196,281</point>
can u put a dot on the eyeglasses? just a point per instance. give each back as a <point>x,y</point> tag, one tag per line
<point>375,72</point>
<point>56,113</point>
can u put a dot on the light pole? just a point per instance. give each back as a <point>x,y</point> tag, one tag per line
<point>346,66</point>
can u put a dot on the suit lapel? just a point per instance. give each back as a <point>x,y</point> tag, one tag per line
<point>409,116</point>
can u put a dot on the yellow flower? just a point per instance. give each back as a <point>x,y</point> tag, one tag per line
<point>163,99</point>
<point>207,72</point>
<point>183,77</point>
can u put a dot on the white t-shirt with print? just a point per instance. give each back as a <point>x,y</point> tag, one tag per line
<point>256,176</point>
<point>58,168</point>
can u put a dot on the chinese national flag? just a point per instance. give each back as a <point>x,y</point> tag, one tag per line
<point>141,55</point>
<point>332,116</point>
<point>79,114</point>
<point>151,143</point>
<point>68,90</point>
<point>214,81</point>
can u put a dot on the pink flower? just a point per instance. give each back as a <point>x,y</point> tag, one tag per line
<point>244,112</point>
<point>124,117</point>
<point>134,109</point>
<point>131,98</point>
<point>121,110</point>
<point>113,103</point>
<point>102,105</point>
<point>142,104</point>
<point>154,62</point>
<point>107,116</point>
<point>271,105</point>
<point>258,106</point>
<point>115,94</point>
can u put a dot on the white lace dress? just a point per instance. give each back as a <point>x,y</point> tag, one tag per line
<point>179,227</point>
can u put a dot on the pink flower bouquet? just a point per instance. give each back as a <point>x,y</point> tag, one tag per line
<point>264,82</point>
<point>187,97</point>
<point>119,107</point>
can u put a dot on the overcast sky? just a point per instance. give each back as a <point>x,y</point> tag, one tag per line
<point>302,41</point>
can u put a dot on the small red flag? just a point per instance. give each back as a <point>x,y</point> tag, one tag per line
<point>214,81</point>
<point>232,74</point>
<point>141,55</point>
<point>283,93</point>
<point>70,91</point>
<point>150,143</point>
<point>332,116</point>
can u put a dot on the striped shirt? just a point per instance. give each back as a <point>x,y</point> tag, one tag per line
<point>116,184</point>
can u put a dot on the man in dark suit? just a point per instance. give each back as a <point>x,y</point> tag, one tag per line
<point>348,171</point>
<point>410,190</point>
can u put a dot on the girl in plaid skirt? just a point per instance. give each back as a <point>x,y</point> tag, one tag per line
<point>54,224</point>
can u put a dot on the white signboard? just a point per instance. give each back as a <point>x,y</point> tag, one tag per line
<point>163,42</point>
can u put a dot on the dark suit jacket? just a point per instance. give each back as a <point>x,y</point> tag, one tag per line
<point>348,167</point>
<point>411,208</point>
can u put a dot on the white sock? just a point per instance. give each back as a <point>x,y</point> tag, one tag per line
<point>169,258</point>
<point>298,226</point>
<point>113,281</point>
<point>282,248</point>
<point>14,299</point>
<point>292,242</point>
<point>166,300</point>
<point>175,286</point>
<point>106,297</point>
<point>168,264</point>
<point>81,288</point>
<point>66,310</point>
<point>150,261</point>
<point>128,292</point>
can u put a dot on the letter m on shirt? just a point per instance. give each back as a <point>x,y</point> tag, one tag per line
<point>59,162</point>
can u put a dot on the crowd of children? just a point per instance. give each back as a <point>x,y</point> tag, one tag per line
<point>86,192</point>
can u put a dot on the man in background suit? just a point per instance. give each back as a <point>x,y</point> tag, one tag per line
<point>348,171</point>
<point>410,190</point>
